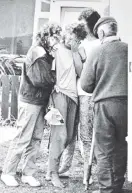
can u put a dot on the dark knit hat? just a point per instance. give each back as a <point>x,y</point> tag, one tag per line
<point>101,21</point>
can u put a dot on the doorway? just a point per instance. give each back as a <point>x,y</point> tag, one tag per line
<point>69,15</point>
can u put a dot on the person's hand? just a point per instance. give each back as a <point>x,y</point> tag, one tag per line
<point>74,45</point>
<point>54,49</point>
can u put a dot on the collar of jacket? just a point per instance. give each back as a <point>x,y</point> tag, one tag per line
<point>110,39</point>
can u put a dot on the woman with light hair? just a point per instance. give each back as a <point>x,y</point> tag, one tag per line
<point>65,100</point>
<point>88,17</point>
<point>36,85</point>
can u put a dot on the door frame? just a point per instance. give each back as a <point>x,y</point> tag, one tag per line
<point>56,5</point>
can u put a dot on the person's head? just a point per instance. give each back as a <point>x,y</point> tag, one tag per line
<point>105,27</point>
<point>43,37</point>
<point>89,17</point>
<point>54,34</point>
<point>38,37</point>
<point>74,32</point>
<point>48,36</point>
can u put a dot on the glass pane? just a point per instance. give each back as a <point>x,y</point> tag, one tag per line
<point>16,26</point>
<point>107,11</point>
<point>41,22</point>
<point>45,7</point>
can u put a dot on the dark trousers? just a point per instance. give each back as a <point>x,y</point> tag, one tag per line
<point>110,124</point>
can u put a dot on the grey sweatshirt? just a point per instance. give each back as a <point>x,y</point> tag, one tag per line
<point>105,71</point>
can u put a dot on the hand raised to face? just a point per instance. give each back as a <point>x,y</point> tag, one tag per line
<point>75,45</point>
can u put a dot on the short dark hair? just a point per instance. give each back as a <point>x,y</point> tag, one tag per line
<point>90,16</point>
<point>80,31</point>
<point>112,29</point>
<point>77,29</point>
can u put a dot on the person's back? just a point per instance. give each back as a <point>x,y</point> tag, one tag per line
<point>37,78</point>
<point>88,46</point>
<point>105,75</point>
<point>111,70</point>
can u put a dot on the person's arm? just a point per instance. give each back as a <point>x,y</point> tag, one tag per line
<point>82,53</point>
<point>39,72</point>
<point>78,63</point>
<point>88,75</point>
<point>78,57</point>
<point>79,60</point>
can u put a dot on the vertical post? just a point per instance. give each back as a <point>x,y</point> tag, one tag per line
<point>14,96</point>
<point>14,28</point>
<point>55,11</point>
<point>36,16</point>
<point>5,96</point>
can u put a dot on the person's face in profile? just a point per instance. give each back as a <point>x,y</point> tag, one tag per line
<point>83,21</point>
<point>69,38</point>
<point>53,40</point>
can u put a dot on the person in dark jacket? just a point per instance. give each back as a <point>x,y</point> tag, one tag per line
<point>36,85</point>
<point>105,75</point>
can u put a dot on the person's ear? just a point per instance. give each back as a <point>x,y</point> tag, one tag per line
<point>101,34</point>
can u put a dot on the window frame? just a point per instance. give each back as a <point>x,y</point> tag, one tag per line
<point>38,14</point>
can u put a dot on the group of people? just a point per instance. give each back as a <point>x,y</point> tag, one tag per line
<point>82,71</point>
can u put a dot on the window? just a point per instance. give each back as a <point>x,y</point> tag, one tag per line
<point>41,15</point>
<point>20,21</point>
<point>45,7</point>
<point>16,26</point>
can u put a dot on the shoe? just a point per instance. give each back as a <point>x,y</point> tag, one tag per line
<point>63,169</point>
<point>65,174</point>
<point>30,180</point>
<point>48,176</point>
<point>9,180</point>
<point>90,181</point>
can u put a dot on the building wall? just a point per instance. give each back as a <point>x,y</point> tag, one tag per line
<point>16,26</point>
<point>80,0</point>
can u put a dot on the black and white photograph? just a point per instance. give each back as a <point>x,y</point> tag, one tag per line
<point>65,96</point>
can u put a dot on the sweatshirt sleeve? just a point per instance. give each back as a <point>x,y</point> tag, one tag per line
<point>88,75</point>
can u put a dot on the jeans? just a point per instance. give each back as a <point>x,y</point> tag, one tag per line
<point>30,127</point>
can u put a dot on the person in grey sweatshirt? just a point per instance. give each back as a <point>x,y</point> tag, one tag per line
<point>105,75</point>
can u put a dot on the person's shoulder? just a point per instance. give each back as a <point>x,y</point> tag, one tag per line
<point>89,45</point>
<point>38,50</point>
<point>96,42</point>
<point>60,47</point>
<point>96,48</point>
<point>124,44</point>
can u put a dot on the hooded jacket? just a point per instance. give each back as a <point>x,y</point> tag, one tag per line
<point>37,81</point>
